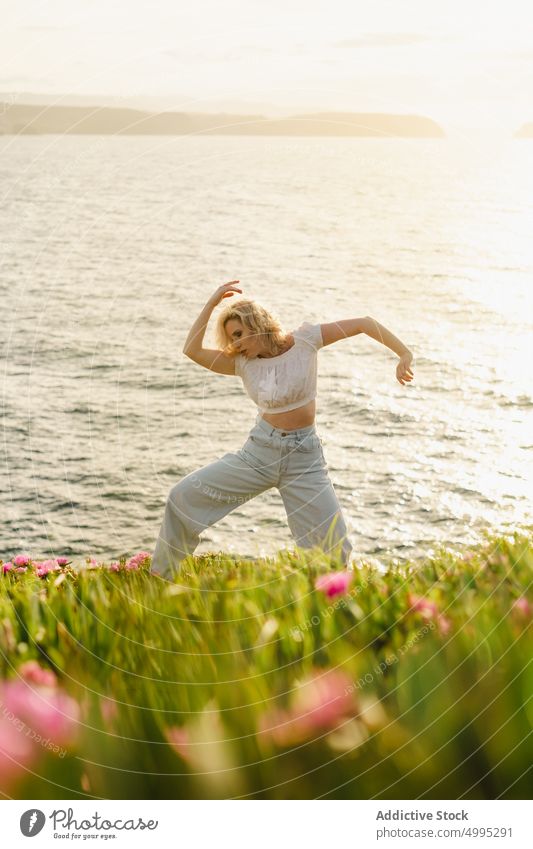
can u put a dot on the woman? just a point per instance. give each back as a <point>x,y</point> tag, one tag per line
<point>283,449</point>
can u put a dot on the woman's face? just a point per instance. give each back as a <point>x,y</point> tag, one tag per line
<point>245,341</point>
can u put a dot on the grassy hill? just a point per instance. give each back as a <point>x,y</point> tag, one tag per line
<point>280,678</point>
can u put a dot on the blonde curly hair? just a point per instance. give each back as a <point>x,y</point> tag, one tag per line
<point>254,317</point>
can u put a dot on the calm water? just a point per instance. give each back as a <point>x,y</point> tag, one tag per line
<point>110,247</point>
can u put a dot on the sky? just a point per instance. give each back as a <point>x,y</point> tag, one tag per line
<point>464,64</point>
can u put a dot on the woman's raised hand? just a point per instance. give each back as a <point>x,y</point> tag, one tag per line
<point>224,291</point>
<point>404,372</point>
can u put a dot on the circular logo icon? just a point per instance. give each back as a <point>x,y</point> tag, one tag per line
<point>31,822</point>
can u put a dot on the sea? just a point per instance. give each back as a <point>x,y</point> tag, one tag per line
<point>110,247</point>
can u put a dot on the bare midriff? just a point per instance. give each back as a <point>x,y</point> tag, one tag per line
<point>293,419</point>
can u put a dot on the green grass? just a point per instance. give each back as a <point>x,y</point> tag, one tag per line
<point>429,704</point>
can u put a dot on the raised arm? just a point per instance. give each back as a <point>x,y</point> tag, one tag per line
<point>337,330</point>
<point>210,358</point>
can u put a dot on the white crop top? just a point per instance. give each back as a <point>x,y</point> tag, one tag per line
<point>288,381</point>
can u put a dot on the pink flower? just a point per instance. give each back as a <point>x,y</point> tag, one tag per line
<point>179,739</point>
<point>523,607</point>
<point>429,610</point>
<point>43,567</point>
<point>137,559</point>
<point>16,752</point>
<point>32,722</point>
<point>21,569</point>
<point>334,583</point>
<point>21,560</point>
<point>62,561</point>
<point>422,605</point>
<point>46,711</point>
<point>320,702</point>
<point>35,674</point>
<point>7,567</point>
<point>444,624</point>
<point>114,567</point>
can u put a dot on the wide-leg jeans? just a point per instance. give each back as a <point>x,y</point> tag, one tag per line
<point>292,461</point>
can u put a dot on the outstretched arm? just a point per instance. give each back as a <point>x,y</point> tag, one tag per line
<point>337,330</point>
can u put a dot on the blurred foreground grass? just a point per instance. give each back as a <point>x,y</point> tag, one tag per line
<point>280,678</point>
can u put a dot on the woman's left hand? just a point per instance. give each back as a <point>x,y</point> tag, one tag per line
<point>404,372</point>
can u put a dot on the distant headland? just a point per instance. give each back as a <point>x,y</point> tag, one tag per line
<point>31,119</point>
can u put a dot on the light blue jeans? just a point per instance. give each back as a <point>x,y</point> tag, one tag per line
<point>292,461</point>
